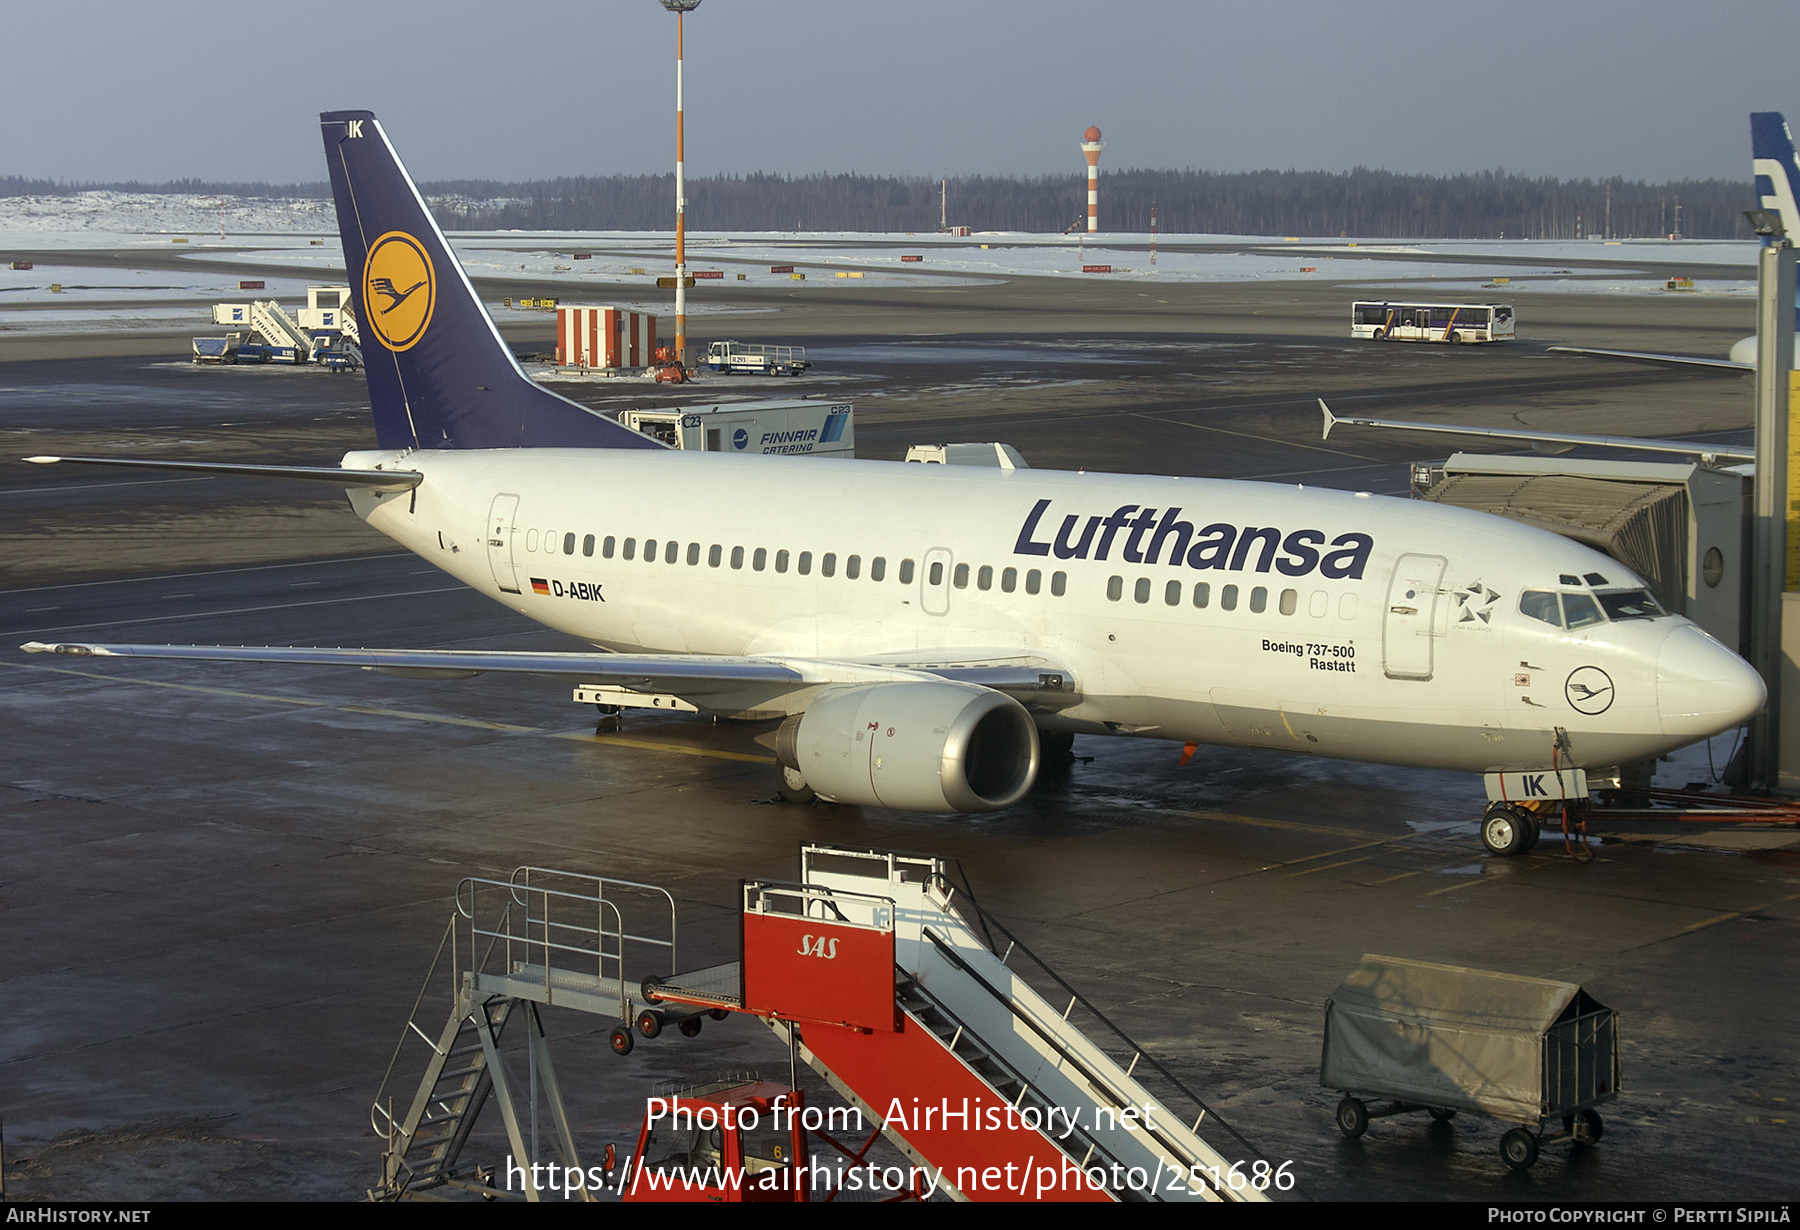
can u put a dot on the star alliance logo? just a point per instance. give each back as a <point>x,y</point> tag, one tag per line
<point>1474,603</point>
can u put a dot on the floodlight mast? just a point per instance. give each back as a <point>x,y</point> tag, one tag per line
<point>680,8</point>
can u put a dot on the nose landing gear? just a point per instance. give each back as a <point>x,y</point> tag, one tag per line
<point>1508,829</point>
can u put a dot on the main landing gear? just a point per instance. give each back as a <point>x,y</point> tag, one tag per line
<point>1508,829</point>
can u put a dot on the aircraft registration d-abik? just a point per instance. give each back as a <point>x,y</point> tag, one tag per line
<point>921,632</point>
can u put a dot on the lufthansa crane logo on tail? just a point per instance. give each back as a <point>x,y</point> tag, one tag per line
<point>399,290</point>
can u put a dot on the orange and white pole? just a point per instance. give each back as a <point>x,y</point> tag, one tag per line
<point>680,8</point>
<point>1091,148</point>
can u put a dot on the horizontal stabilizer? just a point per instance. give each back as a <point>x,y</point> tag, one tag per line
<point>380,480</point>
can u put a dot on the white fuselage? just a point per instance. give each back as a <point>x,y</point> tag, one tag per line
<point>1361,627</point>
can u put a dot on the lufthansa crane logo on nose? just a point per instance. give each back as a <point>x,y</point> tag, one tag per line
<point>1590,690</point>
<point>399,290</point>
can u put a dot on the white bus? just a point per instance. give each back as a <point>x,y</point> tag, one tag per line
<point>1432,322</point>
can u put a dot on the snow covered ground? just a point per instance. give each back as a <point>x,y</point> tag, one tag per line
<point>299,236</point>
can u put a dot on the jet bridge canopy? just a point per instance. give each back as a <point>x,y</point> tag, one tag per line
<point>1679,526</point>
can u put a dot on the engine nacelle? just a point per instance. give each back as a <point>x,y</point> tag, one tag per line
<point>931,747</point>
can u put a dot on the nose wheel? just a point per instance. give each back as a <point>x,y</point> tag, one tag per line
<point>1508,830</point>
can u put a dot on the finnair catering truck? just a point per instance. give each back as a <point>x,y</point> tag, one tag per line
<point>796,426</point>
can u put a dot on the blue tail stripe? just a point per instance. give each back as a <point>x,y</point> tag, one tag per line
<point>439,374</point>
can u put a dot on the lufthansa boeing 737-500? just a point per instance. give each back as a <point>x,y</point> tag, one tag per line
<point>920,632</point>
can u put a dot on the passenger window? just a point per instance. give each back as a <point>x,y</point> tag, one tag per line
<point>1202,594</point>
<point>1141,591</point>
<point>606,548</point>
<point>985,578</point>
<point>693,555</point>
<point>806,563</point>
<point>714,554</point>
<point>531,540</point>
<point>1319,604</point>
<point>1581,611</point>
<point>760,560</point>
<point>1115,588</point>
<point>1347,607</point>
<point>649,550</point>
<point>737,557</point>
<point>568,544</point>
<point>1009,580</point>
<point>961,578</point>
<point>587,545</point>
<point>1034,581</point>
<point>1290,601</point>
<point>828,565</point>
<point>906,572</point>
<point>852,567</point>
<point>1228,598</point>
<point>936,576</point>
<point>781,560</point>
<point>631,548</point>
<point>878,569</point>
<point>1541,604</point>
<point>671,552</point>
<point>1259,600</point>
<point>1172,594</point>
<point>1059,584</point>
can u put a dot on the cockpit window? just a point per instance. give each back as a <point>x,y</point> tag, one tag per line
<point>1579,611</point>
<point>1541,604</point>
<point>1630,604</point>
<point>1593,578</point>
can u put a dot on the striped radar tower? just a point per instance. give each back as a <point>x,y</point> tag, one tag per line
<point>1091,147</point>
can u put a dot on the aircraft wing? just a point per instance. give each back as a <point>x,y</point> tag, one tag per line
<point>1553,441</point>
<point>1674,360</point>
<point>726,682</point>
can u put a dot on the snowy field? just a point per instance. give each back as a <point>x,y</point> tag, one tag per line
<point>299,237</point>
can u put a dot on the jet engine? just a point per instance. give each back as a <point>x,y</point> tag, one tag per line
<point>931,747</point>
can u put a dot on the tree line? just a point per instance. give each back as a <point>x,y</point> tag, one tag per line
<point>1360,202</point>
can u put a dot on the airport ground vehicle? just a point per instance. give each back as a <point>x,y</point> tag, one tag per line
<point>1444,1039</point>
<point>743,358</point>
<point>1432,322</point>
<point>789,427</point>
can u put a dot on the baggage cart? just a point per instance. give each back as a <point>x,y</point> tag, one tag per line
<point>1443,1039</point>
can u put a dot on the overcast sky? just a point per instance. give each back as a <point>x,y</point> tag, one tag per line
<point>1653,89</point>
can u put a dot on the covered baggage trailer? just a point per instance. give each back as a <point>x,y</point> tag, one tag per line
<point>1443,1038</point>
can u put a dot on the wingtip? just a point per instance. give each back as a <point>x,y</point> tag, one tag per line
<point>1330,419</point>
<point>42,461</point>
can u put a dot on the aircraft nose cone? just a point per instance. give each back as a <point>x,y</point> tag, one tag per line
<point>1703,688</point>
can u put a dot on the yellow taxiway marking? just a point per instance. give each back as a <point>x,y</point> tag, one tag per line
<point>1713,922</point>
<point>648,745</point>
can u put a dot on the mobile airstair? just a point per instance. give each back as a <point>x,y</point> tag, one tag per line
<point>879,972</point>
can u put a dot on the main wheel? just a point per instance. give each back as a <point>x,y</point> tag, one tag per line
<point>620,1040</point>
<point>1352,1117</point>
<point>1443,1114</point>
<point>1519,1148</point>
<point>1506,831</point>
<point>1056,747</point>
<point>793,788</point>
<point>649,1023</point>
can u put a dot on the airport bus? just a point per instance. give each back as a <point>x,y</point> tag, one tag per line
<point>1432,322</point>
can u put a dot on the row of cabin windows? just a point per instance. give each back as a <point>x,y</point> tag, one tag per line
<point>670,552</point>
<point>1318,606</point>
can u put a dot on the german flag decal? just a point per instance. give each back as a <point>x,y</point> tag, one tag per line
<point>540,586</point>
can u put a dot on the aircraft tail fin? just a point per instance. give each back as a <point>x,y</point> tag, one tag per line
<point>1776,167</point>
<point>439,374</point>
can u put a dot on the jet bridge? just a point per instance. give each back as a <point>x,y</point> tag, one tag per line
<point>875,969</point>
